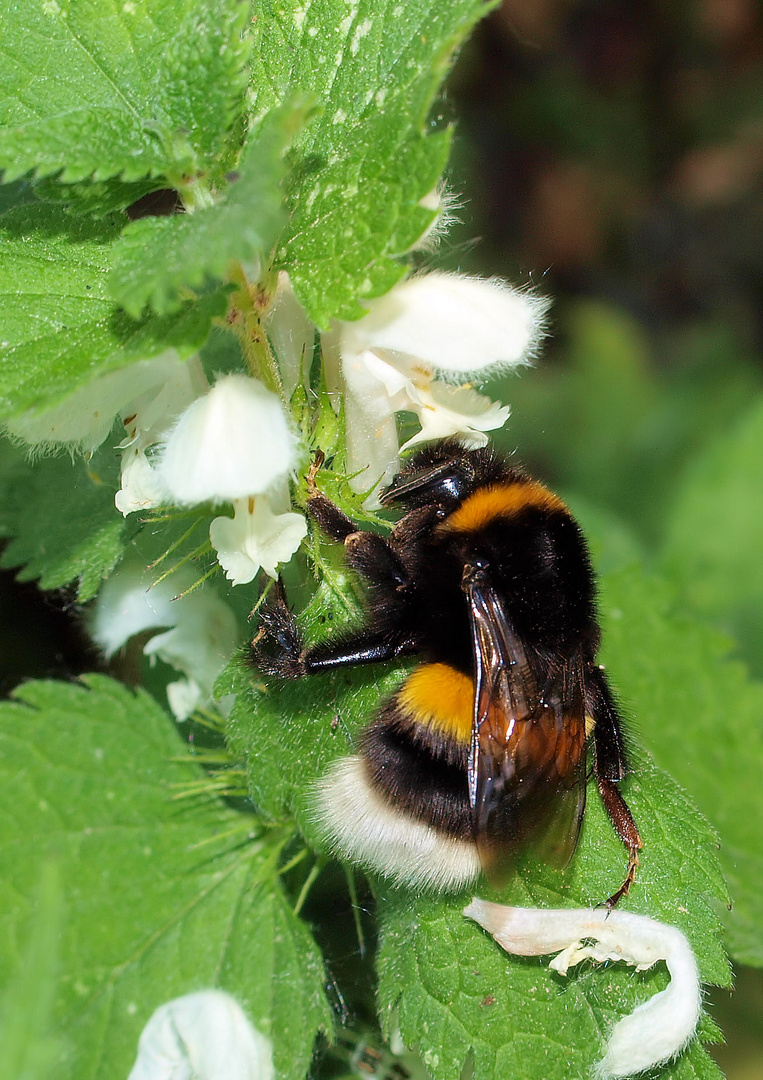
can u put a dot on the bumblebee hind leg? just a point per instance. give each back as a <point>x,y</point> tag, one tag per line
<point>610,767</point>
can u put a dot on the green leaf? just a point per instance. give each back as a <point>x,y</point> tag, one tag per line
<point>455,994</point>
<point>157,257</point>
<point>361,169</point>
<point>27,1004</point>
<point>699,714</point>
<point>60,327</point>
<point>148,86</point>
<point>98,198</point>
<point>164,896</point>
<point>60,518</point>
<point>714,534</point>
<point>288,733</point>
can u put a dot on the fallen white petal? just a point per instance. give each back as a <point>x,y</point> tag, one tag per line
<point>656,1030</point>
<point>233,442</point>
<point>202,1036</point>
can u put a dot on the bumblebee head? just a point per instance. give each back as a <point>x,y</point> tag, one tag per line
<point>443,474</point>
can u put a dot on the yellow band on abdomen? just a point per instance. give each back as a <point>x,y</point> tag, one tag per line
<point>439,697</point>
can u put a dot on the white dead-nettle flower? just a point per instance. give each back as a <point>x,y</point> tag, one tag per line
<point>426,333</point>
<point>202,1036</point>
<point>84,418</point>
<point>146,420</point>
<point>231,443</point>
<point>200,638</point>
<point>255,538</point>
<point>656,1030</point>
<point>235,445</point>
<point>292,336</point>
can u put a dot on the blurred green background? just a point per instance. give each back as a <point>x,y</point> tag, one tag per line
<point>610,155</point>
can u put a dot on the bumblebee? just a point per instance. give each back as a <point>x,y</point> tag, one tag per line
<point>482,750</point>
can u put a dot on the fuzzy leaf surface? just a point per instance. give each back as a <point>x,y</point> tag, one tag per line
<point>158,256</point>
<point>26,1007</point>
<point>60,327</point>
<point>698,712</point>
<point>163,896</point>
<point>60,520</point>
<point>455,994</point>
<point>98,89</point>
<point>363,167</point>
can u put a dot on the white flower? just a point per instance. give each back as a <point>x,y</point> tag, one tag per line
<point>84,418</point>
<point>201,638</point>
<point>255,537</point>
<point>456,410</point>
<point>291,334</point>
<point>429,328</point>
<point>147,420</point>
<point>202,1036</point>
<point>451,324</point>
<point>141,487</point>
<point>656,1030</point>
<point>232,443</point>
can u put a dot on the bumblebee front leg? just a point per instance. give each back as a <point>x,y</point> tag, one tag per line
<point>367,553</point>
<point>278,650</point>
<point>328,517</point>
<point>609,769</point>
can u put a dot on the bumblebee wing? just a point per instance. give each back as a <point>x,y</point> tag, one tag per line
<point>527,757</point>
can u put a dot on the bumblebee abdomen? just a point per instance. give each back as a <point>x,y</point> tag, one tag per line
<point>416,750</point>
<point>408,789</point>
<point>439,699</point>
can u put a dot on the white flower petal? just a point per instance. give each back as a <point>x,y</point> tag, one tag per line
<point>656,1030</point>
<point>141,487</point>
<point>233,442</point>
<point>455,410</point>
<point>202,640</point>
<point>202,1036</point>
<point>291,334</point>
<point>255,537</point>
<point>126,605</point>
<point>372,443</point>
<point>84,418</point>
<point>202,631</point>
<point>452,323</point>
<point>183,696</point>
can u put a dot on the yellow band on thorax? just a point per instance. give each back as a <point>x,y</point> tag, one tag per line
<point>500,500</point>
